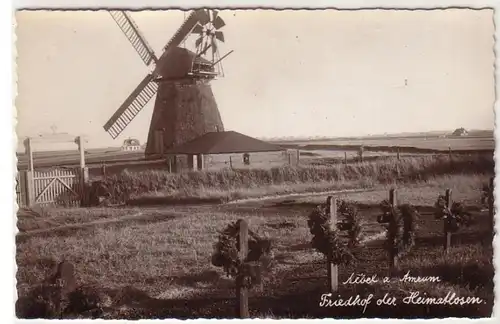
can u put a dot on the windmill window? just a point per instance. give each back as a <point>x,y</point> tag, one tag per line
<point>246,159</point>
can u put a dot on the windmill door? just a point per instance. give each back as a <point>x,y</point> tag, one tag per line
<point>57,186</point>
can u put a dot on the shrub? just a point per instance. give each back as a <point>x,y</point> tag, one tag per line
<point>325,239</point>
<point>401,227</point>
<point>248,271</point>
<point>351,221</point>
<point>454,217</point>
<point>123,186</point>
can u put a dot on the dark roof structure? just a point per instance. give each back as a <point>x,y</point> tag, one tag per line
<point>179,62</point>
<point>224,142</point>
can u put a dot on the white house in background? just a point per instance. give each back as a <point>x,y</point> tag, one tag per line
<point>131,144</point>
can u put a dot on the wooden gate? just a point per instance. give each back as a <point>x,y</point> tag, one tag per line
<point>57,186</point>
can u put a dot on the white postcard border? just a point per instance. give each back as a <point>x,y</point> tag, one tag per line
<point>8,138</point>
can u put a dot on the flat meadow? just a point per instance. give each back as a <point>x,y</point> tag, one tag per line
<point>156,243</point>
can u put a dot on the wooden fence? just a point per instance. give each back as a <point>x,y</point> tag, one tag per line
<point>57,186</point>
<point>53,186</point>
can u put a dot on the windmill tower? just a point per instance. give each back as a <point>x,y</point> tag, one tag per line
<point>185,106</point>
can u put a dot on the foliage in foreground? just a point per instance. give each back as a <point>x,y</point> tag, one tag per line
<point>248,271</point>
<point>455,216</point>
<point>326,239</point>
<point>401,227</point>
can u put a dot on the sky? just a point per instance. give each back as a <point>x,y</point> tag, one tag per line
<point>292,73</point>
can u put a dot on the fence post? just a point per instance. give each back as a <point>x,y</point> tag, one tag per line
<point>21,188</point>
<point>103,169</point>
<point>393,261</point>
<point>81,148</point>
<point>446,229</point>
<point>361,150</point>
<point>345,158</point>
<point>491,209</point>
<point>398,154</point>
<point>242,292</point>
<point>84,172</point>
<point>29,152</point>
<point>449,154</point>
<point>29,185</point>
<point>298,157</point>
<point>333,270</point>
<point>230,162</point>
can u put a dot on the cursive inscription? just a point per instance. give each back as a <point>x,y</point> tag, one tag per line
<point>357,300</point>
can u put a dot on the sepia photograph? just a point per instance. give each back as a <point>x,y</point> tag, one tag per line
<point>278,164</point>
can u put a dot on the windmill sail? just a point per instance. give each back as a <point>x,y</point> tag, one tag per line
<point>131,31</point>
<point>185,29</point>
<point>132,106</point>
<point>182,32</point>
<point>148,87</point>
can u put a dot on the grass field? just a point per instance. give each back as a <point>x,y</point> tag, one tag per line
<point>438,141</point>
<point>324,148</point>
<point>164,254</point>
<point>160,187</point>
<point>151,255</point>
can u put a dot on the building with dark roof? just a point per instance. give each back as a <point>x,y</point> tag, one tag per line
<point>218,150</point>
<point>460,132</point>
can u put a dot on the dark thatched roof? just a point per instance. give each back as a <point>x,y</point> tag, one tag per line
<point>224,142</point>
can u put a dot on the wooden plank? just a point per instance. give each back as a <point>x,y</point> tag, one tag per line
<point>37,199</point>
<point>393,260</point>
<point>242,292</point>
<point>29,152</point>
<point>30,189</point>
<point>67,186</point>
<point>333,269</point>
<point>446,229</point>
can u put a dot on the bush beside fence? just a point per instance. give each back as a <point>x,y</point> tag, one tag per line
<point>128,184</point>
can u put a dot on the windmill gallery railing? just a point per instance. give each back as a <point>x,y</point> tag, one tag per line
<point>53,186</point>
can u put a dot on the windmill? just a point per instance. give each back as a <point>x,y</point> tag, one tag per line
<point>185,106</point>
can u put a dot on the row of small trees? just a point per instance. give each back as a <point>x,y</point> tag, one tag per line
<point>246,256</point>
<point>400,222</point>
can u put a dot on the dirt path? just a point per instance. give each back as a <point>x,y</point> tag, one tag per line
<point>292,197</point>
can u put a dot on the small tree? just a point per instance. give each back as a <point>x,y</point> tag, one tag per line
<point>401,224</point>
<point>454,216</point>
<point>351,222</point>
<point>325,239</point>
<point>249,271</point>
